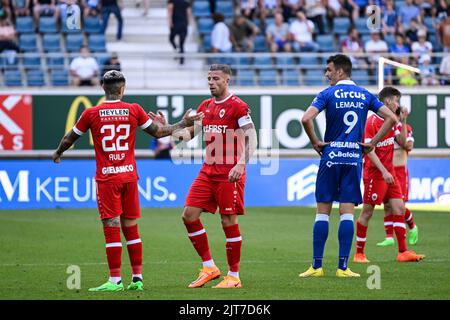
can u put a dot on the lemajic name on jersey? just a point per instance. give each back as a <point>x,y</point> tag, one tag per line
<point>114,112</point>
<point>341,94</point>
<point>118,169</point>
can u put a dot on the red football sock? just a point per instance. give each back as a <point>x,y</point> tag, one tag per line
<point>134,246</point>
<point>400,232</point>
<point>199,239</point>
<point>113,249</point>
<point>233,245</point>
<point>389,225</point>
<point>361,234</point>
<point>409,218</point>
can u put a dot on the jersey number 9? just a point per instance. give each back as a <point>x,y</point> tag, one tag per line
<point>111,131</point>
<point>350,123</point>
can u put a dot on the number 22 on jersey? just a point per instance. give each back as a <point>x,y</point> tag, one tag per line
<point>115,137</point>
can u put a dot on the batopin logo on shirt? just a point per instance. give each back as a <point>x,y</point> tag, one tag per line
<point>222,113</point>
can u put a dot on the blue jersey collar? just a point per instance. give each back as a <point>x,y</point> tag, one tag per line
<point>346,82</point>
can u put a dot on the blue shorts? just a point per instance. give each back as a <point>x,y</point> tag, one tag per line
<point>339,182</point>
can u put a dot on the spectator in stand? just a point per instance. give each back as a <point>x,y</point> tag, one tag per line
<point>425,6</point>
<point>248,8</point>
<point>427,72</point>
<point>277,35</point>
<point>243,33</point>
<point>268,8</point>
<point>444,70</point>
<point>20,7</point>
<point>220,35</point>
<point>301,31</point>
<point>352,46</point>
<point>422,46</point>
<point>362,5</point>
<point>440,11</point>
<point>411,33</point>
<point>339,8</point>
<point>390,18</point>
<point>45,8</point>
<point>212,6</point>
<point>399,48</point>
<point>7,35</point>
<point>112,63</point>
<point>179,12</point>
<point>290,7</point>
<point>407,13</point>
<point>405,77</point>
<point>444,33</point>
<point>84,69</point>
<point>92,8</point>
<point>115,7</point>
<point>375,47</point>
<point>315,11</point>
<point>4,9</point>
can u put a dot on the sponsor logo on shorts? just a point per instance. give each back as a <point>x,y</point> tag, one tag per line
<point>118,169</point>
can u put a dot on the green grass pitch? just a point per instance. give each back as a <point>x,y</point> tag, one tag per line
<point>38,246</point>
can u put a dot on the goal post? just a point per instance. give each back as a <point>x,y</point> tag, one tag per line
<point>382,61</point>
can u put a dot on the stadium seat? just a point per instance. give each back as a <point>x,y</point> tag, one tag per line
<point>309,62</point>
<point>361,25</point>
<point>102,57</point>
<point>92,25</point>
<point>225,7</point>
<point>51,42</point>
<point>59,78</point>
<point>284,61</point>
<point>291,77</point>
<point>9,60</point>
<point>201,9</point>
<point>205,26</point>
<point>428,21</point>
<point>390,40</point>
<point>260,44</point>
<point>264,62</point>
<point>341,25</point>
<point>314,78</point>
<point>25,25</point>
<point>242,62</point>
<point>268,78</point>
<point>13,78</point>
<point>206,43</point>
<point>55,60</point>
<point>326,43</point>
<point>97,43</point>
<point>364,39</point>
<point>47,25</point>
<point>245,78</point>
<point>28,42</point>
<point>35,78</point>
<point>31,60</point>
<point>361,77</point>
<point>74,42</point>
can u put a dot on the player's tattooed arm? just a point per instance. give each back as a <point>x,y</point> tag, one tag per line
<point>251,143</point>
<point>66,142</point>
<point>183,130</point>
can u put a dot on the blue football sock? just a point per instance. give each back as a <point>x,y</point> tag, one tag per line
<point>320,235</point>
<point>345,234</point>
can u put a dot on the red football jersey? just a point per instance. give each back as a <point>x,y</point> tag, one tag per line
<point>409,136</point>
<point>113,126</point>
<point>384,149</point>
<point>225,144</point>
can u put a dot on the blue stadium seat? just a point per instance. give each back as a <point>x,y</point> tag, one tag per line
<point>97,43</point>
<point>13,78</point>
<point>291,77</point>
<point>102,57</point>
<point>205,25</point>
<point>9,60</point>
<point>364,39</point>
<point>207,43</point>
<point>260,44</point>
<point>268,78</point>
<point>31,60</point>
<point>92,25</point>
<point>51,42</point>
<point>361,77</point>
<point>74,42</point>
<point>361,25</point>
<point>66,30</point>
<point>55,60</point>
<point>284,61</point>
<point>390,40</point>
<point>225,7</point>
<point>25,24</point>
<point>47,25</point>
<point>340,25</point>
<point>242,62</point>
<point>201,9</point>
<point>35,78</point>
<point>428,21</point>
<point>326,43</point>
<point>309,62</point>
<point>314,78</point>
<point>59,78</point>
<point>245,78</point>
<point>28,42</point>
<point>262,62</point>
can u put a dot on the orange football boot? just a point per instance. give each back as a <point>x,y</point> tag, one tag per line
<point>360,258</point>
<point>229,282</point>
<point>409,256</point>
<point>206,274</point>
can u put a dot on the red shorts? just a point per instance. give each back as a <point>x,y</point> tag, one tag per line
<point>114,200</point>
<point>377,191</point>
<point>403,179</point>
<point>209,194</point>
